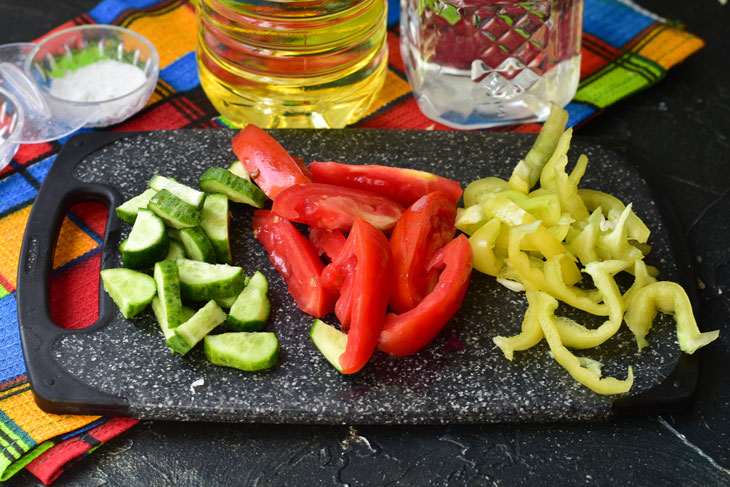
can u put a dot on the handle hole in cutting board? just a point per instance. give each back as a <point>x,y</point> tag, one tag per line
<point>74,287</point>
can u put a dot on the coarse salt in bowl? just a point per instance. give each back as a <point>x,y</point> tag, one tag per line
<point>101,74</point>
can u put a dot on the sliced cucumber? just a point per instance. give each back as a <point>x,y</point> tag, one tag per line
<point>168,291</point>
<point>173,210</point>
<point>200,324</point>
<point>330,341</point>
<point>219,180</point>
<point>215,225</point>
<point>196,244</point>
<point>237,168</point>
<point>147,242</point>
<point>251,310</point>
<point>132,291</point>
<point>226,303</point>
<point>241,350</point>
<point>201,282</point>
<point>127,211</point>
<point>191,196</point>
<point>176,250</point>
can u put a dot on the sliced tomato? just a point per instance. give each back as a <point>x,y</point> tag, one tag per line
<point>403,185</point>
<point>407,333</point>
<point>335,207</point>
<point>295,259</point>
<point>268,163</point>
<point>327,242</point>
<point>424,228</point>
<point>365,264</point>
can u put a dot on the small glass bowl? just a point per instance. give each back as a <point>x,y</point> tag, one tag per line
<point>65,51</point>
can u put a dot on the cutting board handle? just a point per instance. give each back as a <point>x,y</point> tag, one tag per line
<point>56,390</point>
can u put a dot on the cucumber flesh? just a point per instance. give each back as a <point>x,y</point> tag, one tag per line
<point>219,180</point>
<point>193,330</point>
<point>239,170</point>
<point>176,250</point>
<point>251,310</point>
<point>174,211</point>
<point>147,242</point>
<point>226,303</point>
<point>168,292</point>
<point>330,341</point>
<point>196,244</point>
<point>201,282</point>
<point>132,291</point>
<point>127,211</point>
<point>191,196</point>
<point>215,225</point>
<point>241,350</point>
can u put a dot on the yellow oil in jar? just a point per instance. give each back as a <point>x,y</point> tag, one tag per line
<point>292,64</point>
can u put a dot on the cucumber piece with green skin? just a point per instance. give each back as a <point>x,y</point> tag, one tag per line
<point>174,211</point>
<point>205,320</point>
<point>201,282</point>
<point>330,341</point>
<point>227,303</point>
<point>157,308</point>
<point>176,250</point>
<point>168,291</point>
<point>219,180</point>
<point>239,170</point>
<point>191,196</point>
<point>251,310</point>
<point>127,211</point>
<point>132,291</point>
<point>215,226</point>
<point>242,350</point>
<point>147,242</point>
<point>196,244</point>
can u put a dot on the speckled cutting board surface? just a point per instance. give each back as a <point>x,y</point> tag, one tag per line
<point>460,377</point>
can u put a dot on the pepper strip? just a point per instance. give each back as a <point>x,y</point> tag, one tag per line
<point>574,296</point>
<point>531,333</point>
<point>545,242</point>
<point>482,245</point>
<point>637,229</point>
<point>546,306</point>
<point>527,172</point>
<point>574,335</point>
<point>616,242</point>
<point>583,243</point>
<point>670,298</point>
<point>642,278</point>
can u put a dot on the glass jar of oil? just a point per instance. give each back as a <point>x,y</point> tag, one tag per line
<point>292,64</point>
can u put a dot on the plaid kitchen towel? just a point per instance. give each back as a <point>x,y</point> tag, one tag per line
<point>625,50</point>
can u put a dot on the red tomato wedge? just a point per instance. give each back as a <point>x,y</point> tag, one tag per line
<point>407,333</point>
<point>335,207</point>
<point>327,242</point>
<point>403,185</point>
<point>424,228</point>
<point>296,260</point>
<point>367,279</point>
<point>268,163</point>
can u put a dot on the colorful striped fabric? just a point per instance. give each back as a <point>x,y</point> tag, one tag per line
<point>625,51</point>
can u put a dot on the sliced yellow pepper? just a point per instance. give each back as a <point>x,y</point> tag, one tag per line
<point>540,237</point>
<point>667,297</point>
<point>642,278</point>
<point>482,243</point>
<point>527,172</point>
<point>583,243</point>
<point>575,335</point>
<point>574,296</point>
<point>531,333</point>
<point>480,190</point>
<point>616,241</point>
<point>589,377</point>
<point>593,199</point>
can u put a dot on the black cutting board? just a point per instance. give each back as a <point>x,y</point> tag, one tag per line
<point>123,367</point>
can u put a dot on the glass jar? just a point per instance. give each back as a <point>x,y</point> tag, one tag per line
<point>483,63</point>
<point>282,64</point>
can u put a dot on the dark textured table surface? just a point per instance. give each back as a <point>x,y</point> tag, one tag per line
<point>682,127</point>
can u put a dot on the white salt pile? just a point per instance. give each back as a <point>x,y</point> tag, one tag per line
<point>99,81</point>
